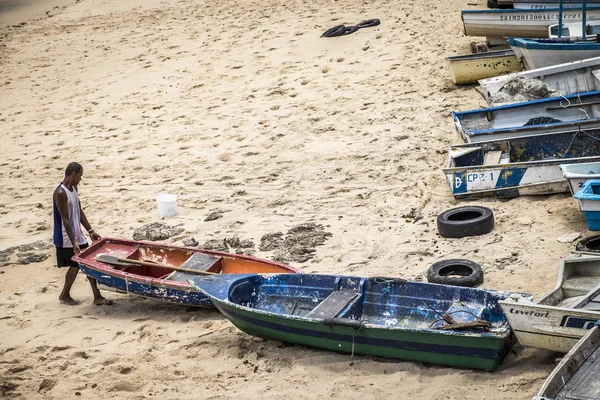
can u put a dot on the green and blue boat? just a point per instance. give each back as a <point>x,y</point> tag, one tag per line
<point>385,317</point>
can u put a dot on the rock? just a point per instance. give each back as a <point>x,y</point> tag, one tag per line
<point>156,231</point>
<point>271,241</point>
<point>190,242</point>
<point>526,221</point>
<point>214,215</point>
<point>30,258</point>
<point>569,237</point>
<point>215,244</point>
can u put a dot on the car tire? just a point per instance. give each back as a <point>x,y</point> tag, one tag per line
<point>444,272</point>
<point>591,244</point>
<point>465,221</point>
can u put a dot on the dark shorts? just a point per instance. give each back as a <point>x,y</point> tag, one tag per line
<point>64,255</point>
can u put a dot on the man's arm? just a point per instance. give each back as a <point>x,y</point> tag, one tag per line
<point>84,221</point>
<point>60,198</point>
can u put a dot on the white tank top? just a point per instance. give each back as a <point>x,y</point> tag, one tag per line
<point>74,218</point>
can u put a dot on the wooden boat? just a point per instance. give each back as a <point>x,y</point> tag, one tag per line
<point>520,23</point>
<point>539,53</point>
<point>569,78</point>
<point>530,118</point>
<point>559,319</point>
<point>472,67</point>
<point>161,276</point>
<point>577,174</point>
<point>542,4</point>
<point>528,165</point>
<point>375,316</point>
<point>576,376</point>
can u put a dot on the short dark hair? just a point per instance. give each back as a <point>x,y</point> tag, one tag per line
<point>73,167</point>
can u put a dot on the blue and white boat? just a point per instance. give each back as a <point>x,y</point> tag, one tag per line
<point>563,79</point>
<point>530,118</point>
<point>528,165</point>
<point>539,53</point>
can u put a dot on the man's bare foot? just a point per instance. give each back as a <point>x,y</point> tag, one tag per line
<point>68,300</point>
<point>103,302</point>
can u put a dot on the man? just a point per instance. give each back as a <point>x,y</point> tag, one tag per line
<point>68,236</point>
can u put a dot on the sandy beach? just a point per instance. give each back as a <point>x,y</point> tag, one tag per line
<point>240,108</point>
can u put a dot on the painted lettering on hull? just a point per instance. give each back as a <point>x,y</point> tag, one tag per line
<point>530,313</point>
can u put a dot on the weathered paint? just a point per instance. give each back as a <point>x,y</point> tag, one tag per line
<point>558,320</point>
<point>159,283</point>
<point>532,164</point>
<point>576,376</point>
<point>472,67</point>
<point>514,120</point>
<point>519,23</point>
<point>394,317</point>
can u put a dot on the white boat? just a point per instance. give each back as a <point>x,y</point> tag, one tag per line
<point>530,118</point>
<point>577,174</point>
<point>497,23</point>
<point>542,4</point>
<point>576,376</point>
<point>574,29</point>
<point>563,316</point>
<point>563,79</point>
<point>538,53</point>
<point>472,67</point>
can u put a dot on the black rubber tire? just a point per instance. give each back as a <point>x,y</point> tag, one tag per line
<point>465,221</point>
<point>591,244</point>
<point>368,23</point>
<point>492,3</point>
<point>337,30</point>
<point>350,29</point>
<point>471,274</point>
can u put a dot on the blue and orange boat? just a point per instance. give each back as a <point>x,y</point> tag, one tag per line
<point>161,271</point>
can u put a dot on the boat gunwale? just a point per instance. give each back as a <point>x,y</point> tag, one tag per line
<point>101,267</point>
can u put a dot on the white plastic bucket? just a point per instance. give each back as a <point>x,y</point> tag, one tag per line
<point>167,205</point>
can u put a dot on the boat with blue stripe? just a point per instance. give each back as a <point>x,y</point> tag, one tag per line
<point>539,53</point>
<point>385,317</point>
<point>530,118</point>
<point>528,165</point>
<point>161,271</point>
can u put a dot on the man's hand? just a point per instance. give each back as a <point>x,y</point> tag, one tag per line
<point>76,249</point>
<point>94,236</point>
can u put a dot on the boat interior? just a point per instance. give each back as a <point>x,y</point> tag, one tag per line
<point>386,302</point>
<point>580,285</point>
<point>535,114</point>
<point>556,146</point>
<point>176,258</point>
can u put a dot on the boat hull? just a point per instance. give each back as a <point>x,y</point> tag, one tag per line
<point>520,23</point>
<point>178,294</point>
<point>383,317</point>
<point>537,54</point>
<point>160,278</point>
<point>470,68</point>
<point>548,327</point>
<point>569,78</point>
<point>464,352</point>
<point>530,118</point>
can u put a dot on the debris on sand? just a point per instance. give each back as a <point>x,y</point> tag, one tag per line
<point>156,231</point>
<point>298,245</point>
<point>519,89</point>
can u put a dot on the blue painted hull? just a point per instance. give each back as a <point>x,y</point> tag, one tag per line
<point>384,317</point>
<point>191,296</point>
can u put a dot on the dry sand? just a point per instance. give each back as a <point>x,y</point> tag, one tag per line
<point>240,106</point>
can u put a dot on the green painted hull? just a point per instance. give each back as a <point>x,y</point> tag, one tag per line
<point>476,350</point>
